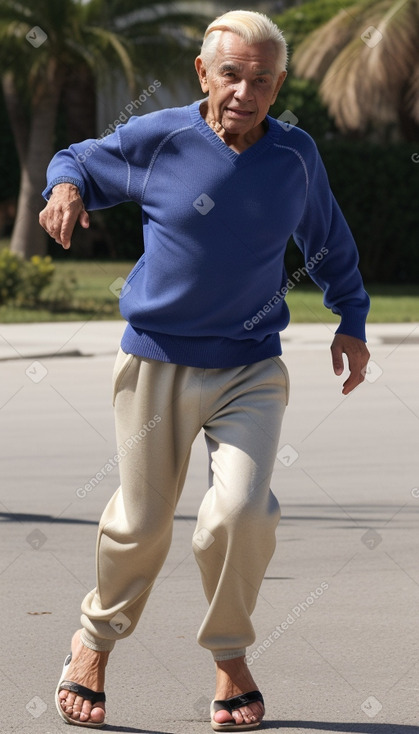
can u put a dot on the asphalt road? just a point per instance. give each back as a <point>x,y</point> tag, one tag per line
<point>337,617</point>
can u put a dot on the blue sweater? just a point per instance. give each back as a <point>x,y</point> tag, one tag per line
<point>209,290</point>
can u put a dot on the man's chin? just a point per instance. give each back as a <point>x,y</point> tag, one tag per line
<point>237,127</point>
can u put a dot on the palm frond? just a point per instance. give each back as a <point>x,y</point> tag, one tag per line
<point>110,41</point>
<point>365,62</point>
<point>314,56</point>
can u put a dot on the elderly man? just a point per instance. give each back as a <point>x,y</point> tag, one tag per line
<point>222,187</point>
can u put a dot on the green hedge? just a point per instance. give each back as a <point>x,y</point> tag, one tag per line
<point>299,21</point>
<point>376,188</point>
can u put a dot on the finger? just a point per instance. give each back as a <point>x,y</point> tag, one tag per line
<point>356,376</point>
<point>337,359</point>
<point>350,384</point>
<point>68,223</point>
<point>84,219</point>
<point>51,222</point>
<point>43,218</point>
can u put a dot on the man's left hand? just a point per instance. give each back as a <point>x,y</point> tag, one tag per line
<point>358,356</point>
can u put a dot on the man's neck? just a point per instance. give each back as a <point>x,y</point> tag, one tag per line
<point>238,143</point>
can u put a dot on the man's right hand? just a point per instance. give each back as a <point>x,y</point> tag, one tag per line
<point>65,207</point>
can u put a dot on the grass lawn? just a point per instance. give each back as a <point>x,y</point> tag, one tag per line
<point>389,304</point>
<point>94,298</point>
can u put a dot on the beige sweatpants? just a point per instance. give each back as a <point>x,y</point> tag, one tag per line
<point>159,410</point>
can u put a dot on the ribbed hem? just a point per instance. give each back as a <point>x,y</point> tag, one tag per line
<point>220,655</point>
<point>94,644</point>
<point>206,352</point>
<point>63,179</point>
<point>353,322</point>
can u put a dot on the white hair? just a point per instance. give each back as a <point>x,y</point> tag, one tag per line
<point>252,27</point>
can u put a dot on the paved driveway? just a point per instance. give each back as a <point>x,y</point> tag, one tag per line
<point>337,617</point>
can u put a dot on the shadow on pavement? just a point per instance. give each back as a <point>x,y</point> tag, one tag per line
<point>27,517</point>
<point>321,517</point>
<point>367,728</point>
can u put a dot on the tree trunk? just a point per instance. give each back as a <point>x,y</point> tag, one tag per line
<point>79,103</point>
<point>28,237</point>
<point>17,114</point>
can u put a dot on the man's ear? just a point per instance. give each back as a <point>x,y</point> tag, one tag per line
<point>279,83</point>
<point>202,73</point>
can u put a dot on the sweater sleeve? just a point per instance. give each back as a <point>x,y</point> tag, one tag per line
<point>102,168</point>
<point>330,253</point>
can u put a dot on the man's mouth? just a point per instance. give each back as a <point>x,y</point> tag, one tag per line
<point>238,112</point>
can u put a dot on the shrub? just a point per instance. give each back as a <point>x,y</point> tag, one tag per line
<point>31,284</point>
<point>59,295</point>
<point>36,274</point>
<point>11,267</point>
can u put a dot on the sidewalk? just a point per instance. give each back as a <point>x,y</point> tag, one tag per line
<point>336,618</point>
<point>72,339</point>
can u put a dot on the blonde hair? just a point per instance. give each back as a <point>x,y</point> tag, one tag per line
<point>252,27</point>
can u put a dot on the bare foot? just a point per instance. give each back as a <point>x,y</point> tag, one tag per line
<point>87,668</point>
<point>233,678</point>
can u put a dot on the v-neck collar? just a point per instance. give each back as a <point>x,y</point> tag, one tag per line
<point>236,158</point>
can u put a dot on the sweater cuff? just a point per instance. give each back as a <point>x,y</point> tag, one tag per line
<point>63,179</point>
<point>353,322</point>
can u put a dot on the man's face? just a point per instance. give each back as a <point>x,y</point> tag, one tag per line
<point>242,83</point>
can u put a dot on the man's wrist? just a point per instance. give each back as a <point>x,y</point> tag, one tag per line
<point>69,186</point>
<point>67,180</point>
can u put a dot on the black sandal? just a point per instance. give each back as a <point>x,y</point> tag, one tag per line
<point>230,705</point>
<point>86,693</point>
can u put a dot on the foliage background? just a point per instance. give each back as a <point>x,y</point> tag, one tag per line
<point>374,184</point>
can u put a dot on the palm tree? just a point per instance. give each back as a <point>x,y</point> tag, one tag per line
<point>367,62</point>
<point>45,44</point>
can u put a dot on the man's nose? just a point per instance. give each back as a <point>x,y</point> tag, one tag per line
<point>244,91</point>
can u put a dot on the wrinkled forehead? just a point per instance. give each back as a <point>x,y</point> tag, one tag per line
<point>234,53</point>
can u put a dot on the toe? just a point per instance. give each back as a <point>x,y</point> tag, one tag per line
<point>222,717</point>
<point>67,700</point>
<point>239,717</point>
<point>97,714</point>
<point>78,708</point>
<point>249,714</point>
